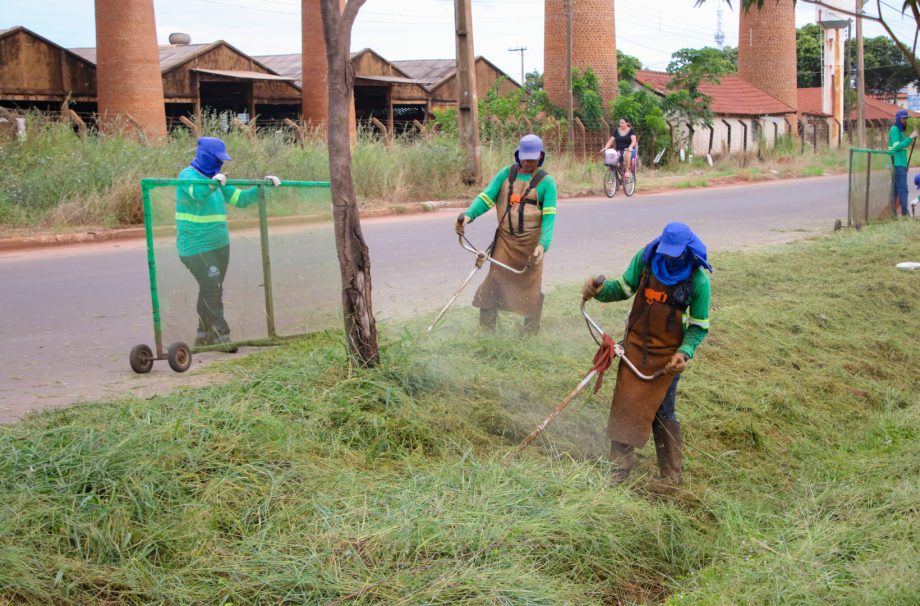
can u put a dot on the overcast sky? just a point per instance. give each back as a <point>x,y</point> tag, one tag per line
<point>412,29</point>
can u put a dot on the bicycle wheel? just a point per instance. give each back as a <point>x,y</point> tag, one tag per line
<point>629,185</point>
<point>610,182</point>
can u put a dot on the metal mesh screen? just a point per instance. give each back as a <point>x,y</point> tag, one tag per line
<point>264,268</point>
<point>871,184</point>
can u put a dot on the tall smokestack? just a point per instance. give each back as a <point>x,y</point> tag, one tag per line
<point>766,49</point>
<point>315,94</point>
<point>128,79</point>
<point>594,45</point>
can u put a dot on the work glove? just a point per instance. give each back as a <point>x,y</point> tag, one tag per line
<point>275,180</point>
<point>913,135</point>
<point>462,220</point>
<point>589,289</point>
<point>677,364</point>
<point>537,256</point>
<point>220,178</point>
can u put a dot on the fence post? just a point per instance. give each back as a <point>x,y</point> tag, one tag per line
<point>387,136</point>
<point>192,126</point>
<point>581,130</point>
<point>868,183</point>
<point>298,131</point>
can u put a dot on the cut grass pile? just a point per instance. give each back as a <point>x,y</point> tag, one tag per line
<point>303,481</point>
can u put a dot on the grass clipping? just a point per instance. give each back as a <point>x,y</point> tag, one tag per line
<point>302,481</point>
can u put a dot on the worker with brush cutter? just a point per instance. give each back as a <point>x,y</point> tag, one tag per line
<point>524,197</point>
<point>668,281</point>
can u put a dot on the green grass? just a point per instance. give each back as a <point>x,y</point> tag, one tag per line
<point>301,480</point>
<point>55,179</point>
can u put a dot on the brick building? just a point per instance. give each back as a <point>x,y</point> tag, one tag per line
<point>593,45</point>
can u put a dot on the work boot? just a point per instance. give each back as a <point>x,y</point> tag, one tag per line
<point>488,318</point>
<point>622,459</point>
<point>229,348</point>
<point>668,449</point>
<point>532,323</point>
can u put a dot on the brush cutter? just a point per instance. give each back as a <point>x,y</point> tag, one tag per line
<point>609,349</point>
<point>481,257</point>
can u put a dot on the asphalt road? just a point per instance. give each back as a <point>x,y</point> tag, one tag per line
<point>70,315</point>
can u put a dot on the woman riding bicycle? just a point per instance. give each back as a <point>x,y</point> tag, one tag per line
<point>624,141</point>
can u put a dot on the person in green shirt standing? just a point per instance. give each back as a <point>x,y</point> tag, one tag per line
<point>668,321</point>
<point>202,235</point>
<point>898,142</point>
<point>524,198</point>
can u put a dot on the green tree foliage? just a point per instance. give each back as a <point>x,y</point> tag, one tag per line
<point>533,81</point>
<point>887,71</point>
<point>586,93</point>
<point>641,107</point>
<point>689,69</point>
<point>808,41</point>
<point>627,66</point>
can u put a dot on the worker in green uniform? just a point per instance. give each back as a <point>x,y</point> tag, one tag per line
<point>202,235</point>
<point>898,142</point>
<point>524,197</point>
<point>668,321</point>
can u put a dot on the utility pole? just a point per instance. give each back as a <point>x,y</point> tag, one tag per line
<point>467,101</point>
<point>570,111</point>
<point>860,80</point>
<point>520,50</point>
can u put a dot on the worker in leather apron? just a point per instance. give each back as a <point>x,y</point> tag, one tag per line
<point>668,321</point>
<point>524,198</point>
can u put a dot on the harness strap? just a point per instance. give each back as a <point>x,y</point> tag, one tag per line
<point>534,182</point>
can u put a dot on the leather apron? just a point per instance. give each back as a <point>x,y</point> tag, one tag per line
<point>502,289</point>
<point>655,331</point>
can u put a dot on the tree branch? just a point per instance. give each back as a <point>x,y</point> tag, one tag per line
<point>351,12</point>
<point>905,50</point>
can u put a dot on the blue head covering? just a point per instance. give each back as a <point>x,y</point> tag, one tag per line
<point>212,153</point>
<point>675,254</point>
<point>917,180</point>
<point>897,119</point>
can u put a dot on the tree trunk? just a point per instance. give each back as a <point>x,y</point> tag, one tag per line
<point>354,260</point>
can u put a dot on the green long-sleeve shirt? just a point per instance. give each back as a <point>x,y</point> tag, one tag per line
<point>546,195</point>
<point>899,142</point>
<point>201,212</point>
<point>696,322</point>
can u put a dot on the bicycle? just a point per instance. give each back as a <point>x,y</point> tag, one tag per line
<point>614,179</point>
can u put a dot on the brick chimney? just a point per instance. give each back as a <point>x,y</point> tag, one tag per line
<point>315,95</point>
<point>128,78</point>
<point>594,45</point>
<point>766,49</point>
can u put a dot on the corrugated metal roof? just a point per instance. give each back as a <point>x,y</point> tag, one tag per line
<point>428,71</point>
<point>732,96</point>
<point>242,74</point>
<point>170,56</point>
<point>290,66</point>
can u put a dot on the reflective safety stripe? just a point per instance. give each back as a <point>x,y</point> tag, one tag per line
<point>549,211</point>
<point>191,218</point>
<point>235,198</point>
<point>191,190</point>
<point>485,198</point>
<point>623,285</point>
<point>697,322</point>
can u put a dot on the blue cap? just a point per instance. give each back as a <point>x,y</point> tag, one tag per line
<point>674,239</point>
<point>214,147</point>
<point>917,180</point>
